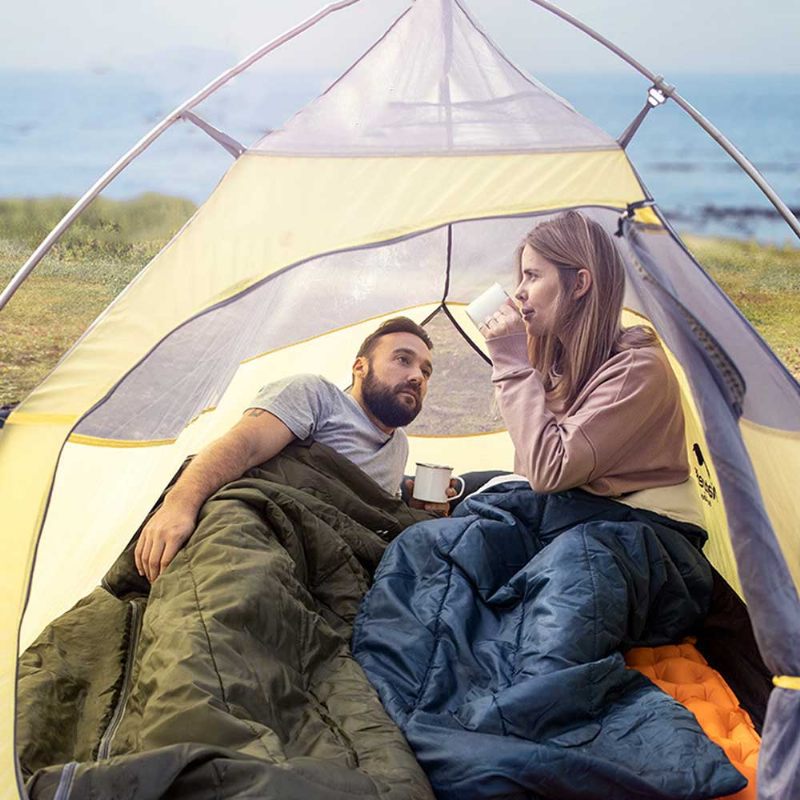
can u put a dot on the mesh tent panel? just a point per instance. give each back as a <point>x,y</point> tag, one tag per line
<point>190,369</point>
<point>772,394</point>
<point>449,90</point>
<point>460,399</point>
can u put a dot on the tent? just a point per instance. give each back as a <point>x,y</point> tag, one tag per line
<point>402,189</point>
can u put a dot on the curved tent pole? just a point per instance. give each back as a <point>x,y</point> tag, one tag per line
<point>47,244</point>
<point>670,91</point>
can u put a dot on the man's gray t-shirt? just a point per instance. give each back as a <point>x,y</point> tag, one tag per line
<point>309,405</point>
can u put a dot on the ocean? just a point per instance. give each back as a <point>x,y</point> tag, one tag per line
<point>59,131</point>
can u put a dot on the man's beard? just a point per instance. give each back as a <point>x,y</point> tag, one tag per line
<point>383,402</point>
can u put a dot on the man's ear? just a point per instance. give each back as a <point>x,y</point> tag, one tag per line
<point>359,367</point>
<point>583,282</point>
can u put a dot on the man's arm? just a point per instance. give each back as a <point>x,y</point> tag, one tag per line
<point>257,437</point>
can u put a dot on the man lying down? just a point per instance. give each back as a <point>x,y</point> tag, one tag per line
<point>214,660</point>
<point>364,424</point>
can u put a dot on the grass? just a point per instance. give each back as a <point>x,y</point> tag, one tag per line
<point>90,265</point>
<point>113,240</point>
<point>764,282</point>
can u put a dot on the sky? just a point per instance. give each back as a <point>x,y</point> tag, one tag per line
<point>670,36</point>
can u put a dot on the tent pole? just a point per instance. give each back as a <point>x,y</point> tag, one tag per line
<point>670,91</point>
<point>44,248</point>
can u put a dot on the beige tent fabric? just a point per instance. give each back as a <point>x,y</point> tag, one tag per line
<point>271,212</point>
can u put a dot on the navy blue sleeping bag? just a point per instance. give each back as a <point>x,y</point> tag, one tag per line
<point>495,640</point>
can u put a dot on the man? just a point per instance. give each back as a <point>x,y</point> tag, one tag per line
<point>390,380</point>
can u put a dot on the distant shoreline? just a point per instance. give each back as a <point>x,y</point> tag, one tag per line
<point>48,207</point>
<point>61,130</point>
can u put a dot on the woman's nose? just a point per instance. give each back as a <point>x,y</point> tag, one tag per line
<point>520,293</point>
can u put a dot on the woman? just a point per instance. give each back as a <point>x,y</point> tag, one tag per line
<point>587,402</point>
<point>495,638</point>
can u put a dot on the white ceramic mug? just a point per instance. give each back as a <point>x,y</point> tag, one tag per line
<point>483,306</point>
<point>431,483</point>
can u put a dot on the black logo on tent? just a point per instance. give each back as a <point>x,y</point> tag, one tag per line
<point>708,491</point>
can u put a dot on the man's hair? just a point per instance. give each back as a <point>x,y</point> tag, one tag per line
<point>394,325</point>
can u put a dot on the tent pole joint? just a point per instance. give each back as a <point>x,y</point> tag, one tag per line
<point>660,87</point>
<point>655,97</point>
<point>226,142</point>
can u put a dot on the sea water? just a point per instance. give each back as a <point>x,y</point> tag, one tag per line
<point>59,131</point>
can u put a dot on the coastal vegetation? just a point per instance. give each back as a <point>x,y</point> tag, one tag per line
<point>113,240</point>
<point>88,267</point>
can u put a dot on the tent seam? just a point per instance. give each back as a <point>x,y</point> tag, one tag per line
<point>456,153</point>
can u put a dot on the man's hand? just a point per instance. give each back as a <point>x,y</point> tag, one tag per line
<point>257,437</point>
<point>442,509</point>
<point>506,321</point>
<point>165,533</point>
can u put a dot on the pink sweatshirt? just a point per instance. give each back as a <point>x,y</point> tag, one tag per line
<point>624,432</point>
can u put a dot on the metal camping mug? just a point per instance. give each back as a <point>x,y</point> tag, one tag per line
<point>483,306</point>
<point>432,481</point>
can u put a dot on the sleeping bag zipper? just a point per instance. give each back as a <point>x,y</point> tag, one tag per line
<point>104,747</point>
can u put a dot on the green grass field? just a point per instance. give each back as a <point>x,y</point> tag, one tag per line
<point>88,267</point>
<point>113,240</point>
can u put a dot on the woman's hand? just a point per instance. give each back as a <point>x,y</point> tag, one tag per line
<point>506,321</point>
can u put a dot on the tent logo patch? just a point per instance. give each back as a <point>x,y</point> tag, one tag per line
<point>708,490</point>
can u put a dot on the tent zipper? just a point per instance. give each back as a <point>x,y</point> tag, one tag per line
<point>104,748</point>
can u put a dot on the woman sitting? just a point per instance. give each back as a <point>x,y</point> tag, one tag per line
<point>495,637</point>
<point>587,403</point>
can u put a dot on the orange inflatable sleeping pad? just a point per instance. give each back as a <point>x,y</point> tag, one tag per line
<point>683,673</point>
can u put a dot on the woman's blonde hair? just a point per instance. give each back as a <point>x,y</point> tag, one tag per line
<point>589,327</point>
